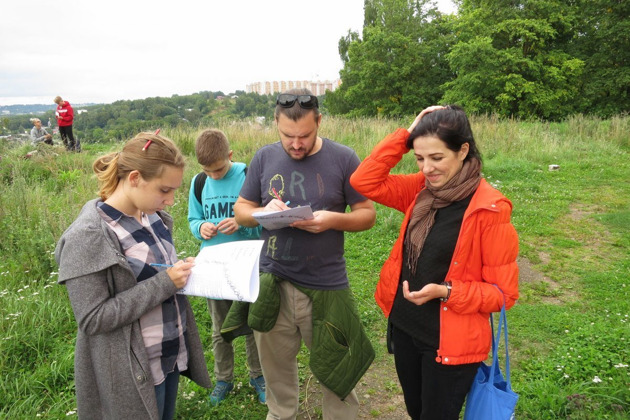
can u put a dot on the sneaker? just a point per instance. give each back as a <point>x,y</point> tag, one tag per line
<point>220,392</point>
<point>259,385</point>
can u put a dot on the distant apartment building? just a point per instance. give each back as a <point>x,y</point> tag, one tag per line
<point>270,87</point>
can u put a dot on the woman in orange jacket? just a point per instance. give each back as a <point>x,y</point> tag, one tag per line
<point>454,261</point>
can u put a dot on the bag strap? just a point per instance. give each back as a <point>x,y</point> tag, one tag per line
<point>495,345</point>
<point>200,181</point>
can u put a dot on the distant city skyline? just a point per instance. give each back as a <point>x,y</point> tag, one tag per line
<point>318,87</point>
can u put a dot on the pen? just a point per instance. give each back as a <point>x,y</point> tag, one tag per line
<point>146,146</point>
<point>275,193</point>
<point>160,265</point>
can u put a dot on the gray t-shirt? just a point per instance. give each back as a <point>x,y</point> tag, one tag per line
<point>322,181</point>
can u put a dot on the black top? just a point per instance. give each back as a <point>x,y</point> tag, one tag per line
<point>423,322</point>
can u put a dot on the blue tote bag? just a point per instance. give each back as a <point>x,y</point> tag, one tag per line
<point>491,396</point>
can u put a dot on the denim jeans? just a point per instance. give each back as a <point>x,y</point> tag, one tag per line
<point>166,394</point>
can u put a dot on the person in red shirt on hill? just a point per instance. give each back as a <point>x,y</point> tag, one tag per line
<point>65,117</point>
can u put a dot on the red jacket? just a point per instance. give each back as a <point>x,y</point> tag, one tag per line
<point>65,114</point>
<point>485,253</point>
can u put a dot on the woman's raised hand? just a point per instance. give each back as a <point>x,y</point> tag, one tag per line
<point>422,114</point>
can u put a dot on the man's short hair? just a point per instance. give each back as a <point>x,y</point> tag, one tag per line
<point>57,100</point>
<point>212,146</point>
<point>296,112</point>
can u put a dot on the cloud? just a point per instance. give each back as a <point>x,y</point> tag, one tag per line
<point>102,51</point>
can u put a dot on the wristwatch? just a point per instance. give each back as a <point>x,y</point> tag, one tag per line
<point>449,286</point>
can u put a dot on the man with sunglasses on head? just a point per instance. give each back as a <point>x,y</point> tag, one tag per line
<point>305,293</point>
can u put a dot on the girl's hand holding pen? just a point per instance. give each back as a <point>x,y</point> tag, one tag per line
<point>180,271</point>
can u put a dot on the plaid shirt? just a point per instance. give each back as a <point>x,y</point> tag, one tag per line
<point>163,327</point>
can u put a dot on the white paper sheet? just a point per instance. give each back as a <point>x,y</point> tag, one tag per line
<point>271,220</point>
<point>226,271</point>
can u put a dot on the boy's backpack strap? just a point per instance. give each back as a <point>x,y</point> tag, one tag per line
<point>200,181</point>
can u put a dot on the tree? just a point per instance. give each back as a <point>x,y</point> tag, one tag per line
<point>398,66</point>
<point>602,41</point>
<point>510,59</point>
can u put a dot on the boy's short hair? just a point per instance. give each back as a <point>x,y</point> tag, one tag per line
<point>212,146</point>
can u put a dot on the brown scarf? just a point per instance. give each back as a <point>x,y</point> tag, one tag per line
<point>430,199</point>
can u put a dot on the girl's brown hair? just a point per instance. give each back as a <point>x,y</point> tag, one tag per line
<point>146,153</point>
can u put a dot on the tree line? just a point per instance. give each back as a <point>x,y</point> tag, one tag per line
<point>541,59</point>
<point>125,118</point>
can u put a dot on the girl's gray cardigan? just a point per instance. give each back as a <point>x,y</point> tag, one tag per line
<point>112,375</point>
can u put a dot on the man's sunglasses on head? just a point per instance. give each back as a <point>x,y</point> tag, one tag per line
<point>286,100</point>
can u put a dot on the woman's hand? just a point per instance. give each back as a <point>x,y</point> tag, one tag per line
<point>429,292</point>
<point>180,271</point>
<point>422,114</point>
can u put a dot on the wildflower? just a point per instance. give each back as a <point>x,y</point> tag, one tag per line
<point>566,331</point>
<point>566,375</point>
<point>596,379</point>
<point>70,413</point>
<point>621,365</point>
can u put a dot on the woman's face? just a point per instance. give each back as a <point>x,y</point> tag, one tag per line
<point>437,162</point>
<point>154,195</point>
<point>37,124</point>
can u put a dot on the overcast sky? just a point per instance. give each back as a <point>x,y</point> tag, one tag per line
<point>103,51</point>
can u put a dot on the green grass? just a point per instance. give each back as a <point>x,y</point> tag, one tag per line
<point>569,332</point>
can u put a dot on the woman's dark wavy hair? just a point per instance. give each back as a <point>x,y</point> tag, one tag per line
<point>450,125</point>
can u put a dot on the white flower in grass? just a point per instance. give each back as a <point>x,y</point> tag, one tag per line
<point>566,375</point>
<point>566,331</point>
<point>71,413</point>
<point>621,365</point>
<point>596,379</point>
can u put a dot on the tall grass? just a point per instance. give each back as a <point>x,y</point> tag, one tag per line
<point>569,332</point>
